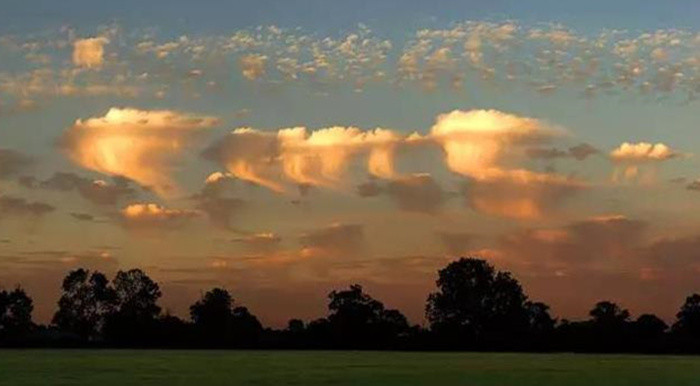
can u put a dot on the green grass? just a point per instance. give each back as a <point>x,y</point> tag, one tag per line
<point>199,368</point>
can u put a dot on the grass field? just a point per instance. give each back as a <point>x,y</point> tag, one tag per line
<point>115,367</point>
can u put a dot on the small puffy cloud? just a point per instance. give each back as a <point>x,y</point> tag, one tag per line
<point>630,157</point>
<point>252,66</point>
<point>17,206</point>
<point>12,162</point>
<point>136,144</point>
<point>642,152</point>
<point>89,52</point>
<point>148,215</point>
<point>336,239</point>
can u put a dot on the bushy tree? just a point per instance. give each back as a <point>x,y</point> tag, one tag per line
<point>86,302</point>
<point>356,319</point>
<point>15,314</point>
<point>136,311</point>
<point>218,322</point>
<point>688,318</point>
<point>476,304</point>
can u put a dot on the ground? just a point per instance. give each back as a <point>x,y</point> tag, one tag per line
<point>155,367</point>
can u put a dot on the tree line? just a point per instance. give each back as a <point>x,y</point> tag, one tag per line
<point>474,307</point>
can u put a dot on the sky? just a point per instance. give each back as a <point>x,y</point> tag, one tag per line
<point>284,149</point>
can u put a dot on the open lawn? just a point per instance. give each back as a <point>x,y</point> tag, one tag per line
<point>126,367</point>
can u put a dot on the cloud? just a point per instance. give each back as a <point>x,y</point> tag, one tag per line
<point>693,185</point>
<point>476,144</point>
<point>147,215</point>
<point>630,156</point>
<point>260,242</point>
<point>475,141</point>
<point>99,192</point>
<point>336,239</point>
<point>412,193</point>
<point>89,52</point>
<point>252,66</point>
<point>579,152</point>
<point>643,152</point>
<point>82,216</point>
<point>136,144</point>
<point>521,194</point>
<point>604,241</point>
<point>17,206</point>
<point>12,162</point>
<point>211,200</point>
<point>583,151</point>
<point>456,243</point>
<point>303,157</point>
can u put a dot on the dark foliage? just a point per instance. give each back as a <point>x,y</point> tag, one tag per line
<point>475,307</point>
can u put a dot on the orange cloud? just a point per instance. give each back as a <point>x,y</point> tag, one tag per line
<point>629,157</point>
<point>252,66</point>
<point>89,52</point>
<point>303,157</point>
<point>147,215</point>
<point>476,143</point>
<point>137,144</point>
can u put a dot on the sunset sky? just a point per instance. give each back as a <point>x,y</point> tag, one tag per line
<point>283,149</point>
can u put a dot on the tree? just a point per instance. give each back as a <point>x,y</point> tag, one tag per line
<point>649,329</point>
<point>86,301</point>
<point>688,318</point>
<point>610,328</point>
<point>609,314</point>
<point>15,314</point>
<point>218,322</point>
<point>539,319</point>
<point>477,304</point>
<point>358,320</point>
<point>136,311</point>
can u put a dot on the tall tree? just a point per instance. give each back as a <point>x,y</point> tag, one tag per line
<point>86,301</point>
<point>15,314</point>
<point>688,318</point>
<point>136,310</point>
<point>476,304</point>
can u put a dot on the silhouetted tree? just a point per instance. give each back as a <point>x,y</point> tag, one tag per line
<point>689,317</point>
<point>610,328</point>
<point>650,327</point>
<point>609,314</point>
<point>218,322</point>
<point>15,315</point>
<point>136,311</point>
<point>649,333</point>
<point>86,301</point>
<point>477,305</point>
<point>358,320</point>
